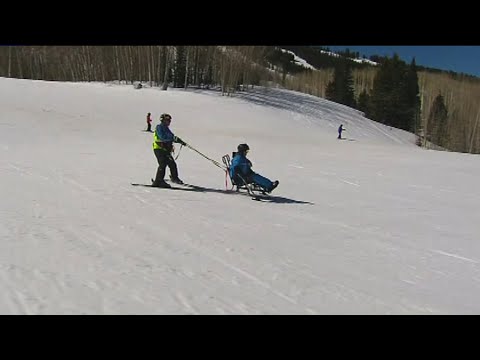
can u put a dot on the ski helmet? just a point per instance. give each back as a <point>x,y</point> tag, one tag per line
<point>165,117</point>
<point>243,148</point>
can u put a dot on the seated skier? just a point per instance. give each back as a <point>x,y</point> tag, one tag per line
<point>241,171</point>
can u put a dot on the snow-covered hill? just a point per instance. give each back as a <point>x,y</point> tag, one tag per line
<point>372,224</point>
<point>302,62</point>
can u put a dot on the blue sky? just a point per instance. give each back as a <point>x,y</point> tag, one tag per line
<point>464,59</point>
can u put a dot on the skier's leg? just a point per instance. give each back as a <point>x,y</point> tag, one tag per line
<point>265,183</point>
<point>162,165</point>
<point>262,181</point>
<point>172,165</point>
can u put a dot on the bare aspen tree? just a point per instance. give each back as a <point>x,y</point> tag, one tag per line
<point>19,63</point>
<point>159,66</point>
<point>167,68</point>
<point>124,62</point>
<point>195,66</point>
<point>223,73</point>
<point>138,57</point>
<point>117,62</point>
<point>102,68</point>
<point>473,132</point>
<point>86,65</point>
<point>9,61</point>
<point>186,66</point>
<point>130,58</point>
<point>236,60</point>
<point>150,65</point>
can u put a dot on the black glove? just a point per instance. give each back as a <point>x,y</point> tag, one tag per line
<point>180,141</point>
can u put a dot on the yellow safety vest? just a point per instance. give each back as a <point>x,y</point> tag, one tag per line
<point>157,143</point>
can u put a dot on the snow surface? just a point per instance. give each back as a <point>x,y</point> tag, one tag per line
<point>374,225</point>
<point>367,61</point>
<point>302,62</point>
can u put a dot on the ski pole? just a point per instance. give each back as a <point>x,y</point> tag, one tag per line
<point>179,152</point>
<point>216,163</point>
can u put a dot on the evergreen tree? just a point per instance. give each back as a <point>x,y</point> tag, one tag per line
<point>390,101</point>
<point>364,103</point>
<point>330,91</point>
<point>286,61</point>
<point>437,122</point>
<point>348,86</point>
<point>340,89</point>
<point>413,98</point>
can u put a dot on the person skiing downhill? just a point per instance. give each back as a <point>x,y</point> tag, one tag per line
<point>340,129</point>
<point>241,171</point>
<point>163,139</point>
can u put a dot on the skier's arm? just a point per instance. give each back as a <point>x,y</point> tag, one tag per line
<point>176,139</point>
<point>163,135</point>
<point>236,166</point>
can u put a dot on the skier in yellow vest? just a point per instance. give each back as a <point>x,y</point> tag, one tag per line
<point>163,139</point>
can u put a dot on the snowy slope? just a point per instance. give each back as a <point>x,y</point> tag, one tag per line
<point>374,225</point>
<point>366,61</point>
<point>299,60</point>
<point>302,62</point>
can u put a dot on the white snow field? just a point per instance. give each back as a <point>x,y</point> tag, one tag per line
<point>374,225</point>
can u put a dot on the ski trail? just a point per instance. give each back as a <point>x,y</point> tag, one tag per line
<point>455,256</point>
<point>183,300</point>
<point>26,172</point>
<point>246,274</point>
<point>348,182</point>
<point>372,123</point>
<point>78,185</point>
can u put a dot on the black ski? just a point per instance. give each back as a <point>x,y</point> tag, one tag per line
<point>196,188</point>
<point>168,188</point>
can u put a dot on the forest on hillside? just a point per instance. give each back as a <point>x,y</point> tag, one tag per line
<point>442,108</point>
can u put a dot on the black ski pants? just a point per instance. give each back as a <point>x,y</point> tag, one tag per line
<point>165,159</point>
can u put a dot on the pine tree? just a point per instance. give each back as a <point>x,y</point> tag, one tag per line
<point>390,98</point>
<point>413,98</point>
<point>330,93</point>
<point>364,103</point>
<point>340,89</point>
<point>348,86</point>
<point>286,61</point>
<point>437,122</point>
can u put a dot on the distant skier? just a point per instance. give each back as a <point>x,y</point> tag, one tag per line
<point>149,122</point>
<point>163,140</point>
<point>241,168</point>
<point>340,129</point>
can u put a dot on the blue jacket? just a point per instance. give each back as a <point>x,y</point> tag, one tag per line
<point>164,133</point>
<point>163,138</point>
<point>240,165</point>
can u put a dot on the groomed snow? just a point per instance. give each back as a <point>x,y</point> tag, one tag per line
<point>368,225</point>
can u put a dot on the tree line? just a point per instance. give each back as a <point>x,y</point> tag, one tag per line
<point>443,112</point>
<point>442,108</point>
<point>163,66</point>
